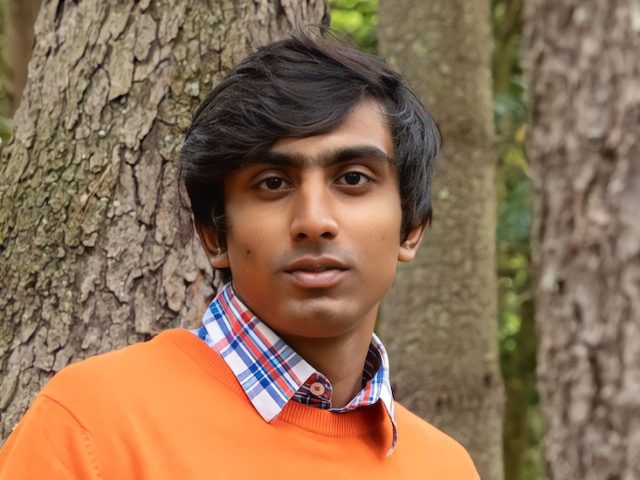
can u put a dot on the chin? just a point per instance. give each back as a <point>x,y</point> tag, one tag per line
<point>319,320</point>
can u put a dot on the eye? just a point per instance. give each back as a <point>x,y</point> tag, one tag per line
<point>273,183</point>
<point>354,179</point>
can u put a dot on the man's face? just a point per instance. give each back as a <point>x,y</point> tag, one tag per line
<point>313,233</point>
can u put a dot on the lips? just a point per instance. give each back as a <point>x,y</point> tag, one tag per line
<point>316,272</point>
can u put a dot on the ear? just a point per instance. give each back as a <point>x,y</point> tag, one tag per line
<point>409,248</point>
<point>217,255</point>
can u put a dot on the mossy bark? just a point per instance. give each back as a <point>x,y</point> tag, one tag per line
<point>439,322</point>
<point>583,69</point>
<point>96,244</point>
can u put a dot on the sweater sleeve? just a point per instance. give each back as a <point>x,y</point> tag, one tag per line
<point>49,443</point>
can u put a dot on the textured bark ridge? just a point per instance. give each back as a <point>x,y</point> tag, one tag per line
<point>439,322</point>
<point>583,66</point>
<point>96,246</point>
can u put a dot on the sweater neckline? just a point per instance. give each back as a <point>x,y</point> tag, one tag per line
<point>358,422</point>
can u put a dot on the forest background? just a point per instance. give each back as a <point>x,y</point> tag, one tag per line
<point>522,435</point>
<point>357,19</point>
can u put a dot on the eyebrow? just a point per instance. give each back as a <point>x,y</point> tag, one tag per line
<point>325,159</point>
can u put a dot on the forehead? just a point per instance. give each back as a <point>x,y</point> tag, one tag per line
<point>365,129</point>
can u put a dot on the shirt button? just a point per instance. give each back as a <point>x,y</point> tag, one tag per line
<point>317,389</point>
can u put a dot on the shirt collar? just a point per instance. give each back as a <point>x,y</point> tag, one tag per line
<point>271,373</point>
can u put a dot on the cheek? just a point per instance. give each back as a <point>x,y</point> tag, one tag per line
<point>241,250</point>
<point>382,231</point>
<point>379,254</point>
<point>250,247</point>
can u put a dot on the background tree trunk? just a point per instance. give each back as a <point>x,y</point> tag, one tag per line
<point>583,67</point>
<point>439,322</point>
<point>19,17</point>
<point>96,246</point>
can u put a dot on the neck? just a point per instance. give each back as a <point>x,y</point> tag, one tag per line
<point>341,359</point>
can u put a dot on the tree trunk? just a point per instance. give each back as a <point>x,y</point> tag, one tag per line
<point>19,16</point>
<point>96,244</point>
<point>584,74</point>
<point>439,322</point>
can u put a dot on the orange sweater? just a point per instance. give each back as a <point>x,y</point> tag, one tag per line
<point>171,409</point>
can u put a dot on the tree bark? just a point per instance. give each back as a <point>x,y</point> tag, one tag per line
<point>19,17</point>
<point>96,244</point>
<point>439,321</point>
<point>583,69</point>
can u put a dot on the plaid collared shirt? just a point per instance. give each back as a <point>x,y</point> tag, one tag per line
<point>272,374</point>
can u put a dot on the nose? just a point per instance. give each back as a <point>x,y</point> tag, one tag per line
<point>313,212</point>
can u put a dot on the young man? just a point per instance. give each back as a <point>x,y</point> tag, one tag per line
<point>309,172</point>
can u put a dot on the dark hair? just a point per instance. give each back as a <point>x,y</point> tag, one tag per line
<point>299,87</point>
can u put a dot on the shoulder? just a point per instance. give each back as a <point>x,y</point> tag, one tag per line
<point>104,379</point>
<point>100,408</point>
<point>452,458</point>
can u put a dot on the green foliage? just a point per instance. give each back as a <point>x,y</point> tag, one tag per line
<point>522,428</point>
<point>356,20</point>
